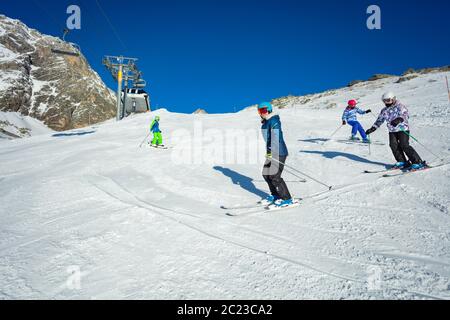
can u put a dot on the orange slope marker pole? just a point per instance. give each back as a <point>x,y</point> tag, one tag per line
<point>448,88</point>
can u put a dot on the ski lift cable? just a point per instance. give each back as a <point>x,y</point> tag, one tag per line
<point>99,37</point>
<point>111,25</point>
<point>53,19</point>
<point>48,13</point>
<point>58,50</point>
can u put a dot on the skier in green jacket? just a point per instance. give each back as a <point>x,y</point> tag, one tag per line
<point>157,135</point>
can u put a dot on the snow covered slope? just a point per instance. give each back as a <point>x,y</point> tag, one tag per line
<point>14,125</point>
<point>89,214</point>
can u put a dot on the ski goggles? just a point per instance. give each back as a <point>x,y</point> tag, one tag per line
<point>263,111</point>
<point>388,101</point>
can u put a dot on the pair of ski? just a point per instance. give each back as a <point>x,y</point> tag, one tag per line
<point>395,172</point>
<point>259,207</point>
<point>359,142</point>
<point>158,147</point>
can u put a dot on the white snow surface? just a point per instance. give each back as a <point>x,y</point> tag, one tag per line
<point>90,215</point>
<point>5,53</point>
<point>20,125</point>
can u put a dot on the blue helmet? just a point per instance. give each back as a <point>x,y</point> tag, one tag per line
<point>266,105</point>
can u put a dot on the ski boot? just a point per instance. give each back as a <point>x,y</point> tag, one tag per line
<point>419,166</point>
<point>367,141</point>
<point>401,166</point>
<point>354,138</point>
<point>284,203</point>
<point>269,200</point>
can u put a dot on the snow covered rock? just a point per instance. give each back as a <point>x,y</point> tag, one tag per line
<point>360,89</point>
<point>200,111</point>
<point>13,125</point>
<point>379,76</point>
<point>61,91</point>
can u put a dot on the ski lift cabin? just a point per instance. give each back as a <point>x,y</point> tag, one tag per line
<point>74,51</point>
<point>136,100</point>
<point>68,48</point>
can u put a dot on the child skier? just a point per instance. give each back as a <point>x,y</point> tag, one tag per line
<point>157,135</point>
<point>397,117</point>
<point>277,154</point>
<point>350,117</point>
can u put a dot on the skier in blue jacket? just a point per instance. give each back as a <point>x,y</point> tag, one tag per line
<point>277,154</point>
<point>350,116</point>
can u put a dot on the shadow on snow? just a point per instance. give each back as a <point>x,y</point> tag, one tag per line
<point>335,154</point>
<point>315,140</point>
<point>244,182</point>
<point>71,134</point>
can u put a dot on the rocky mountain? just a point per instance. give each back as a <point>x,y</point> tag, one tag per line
<point>62,91</point>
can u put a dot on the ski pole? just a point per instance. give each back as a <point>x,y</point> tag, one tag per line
<point>303,174</point>
<point>293,174</point>
<point>144,140</point>
<point>403,130</point>
<point>287,181</point>
<point>334,133</point>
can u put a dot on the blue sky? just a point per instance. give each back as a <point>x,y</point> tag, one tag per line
<point>223,55</point>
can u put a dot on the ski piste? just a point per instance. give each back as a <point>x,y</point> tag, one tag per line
<point>409,171</point>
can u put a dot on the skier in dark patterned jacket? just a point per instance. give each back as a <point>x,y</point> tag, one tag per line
<point>397,117</point>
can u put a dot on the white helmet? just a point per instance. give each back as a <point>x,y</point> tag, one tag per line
<point>388,96</point>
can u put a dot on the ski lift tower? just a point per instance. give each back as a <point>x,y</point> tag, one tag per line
<point>121,68</point>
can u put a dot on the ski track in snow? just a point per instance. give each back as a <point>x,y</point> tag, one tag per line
<point>140,227</point>
<point>163,211</point>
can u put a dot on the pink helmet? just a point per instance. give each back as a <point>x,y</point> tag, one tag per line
<point>352,103</point>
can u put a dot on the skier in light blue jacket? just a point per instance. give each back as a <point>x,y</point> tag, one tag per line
<point>350,117</point>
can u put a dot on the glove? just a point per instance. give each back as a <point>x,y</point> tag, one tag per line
<point>368,111</point>
<point>371,130</point>
<point>396,122</point>
<point>269,155</point>
<point>344,123</point>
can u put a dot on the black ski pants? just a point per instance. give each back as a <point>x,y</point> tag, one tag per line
<point>272,175</point>
<point>399,143</point>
